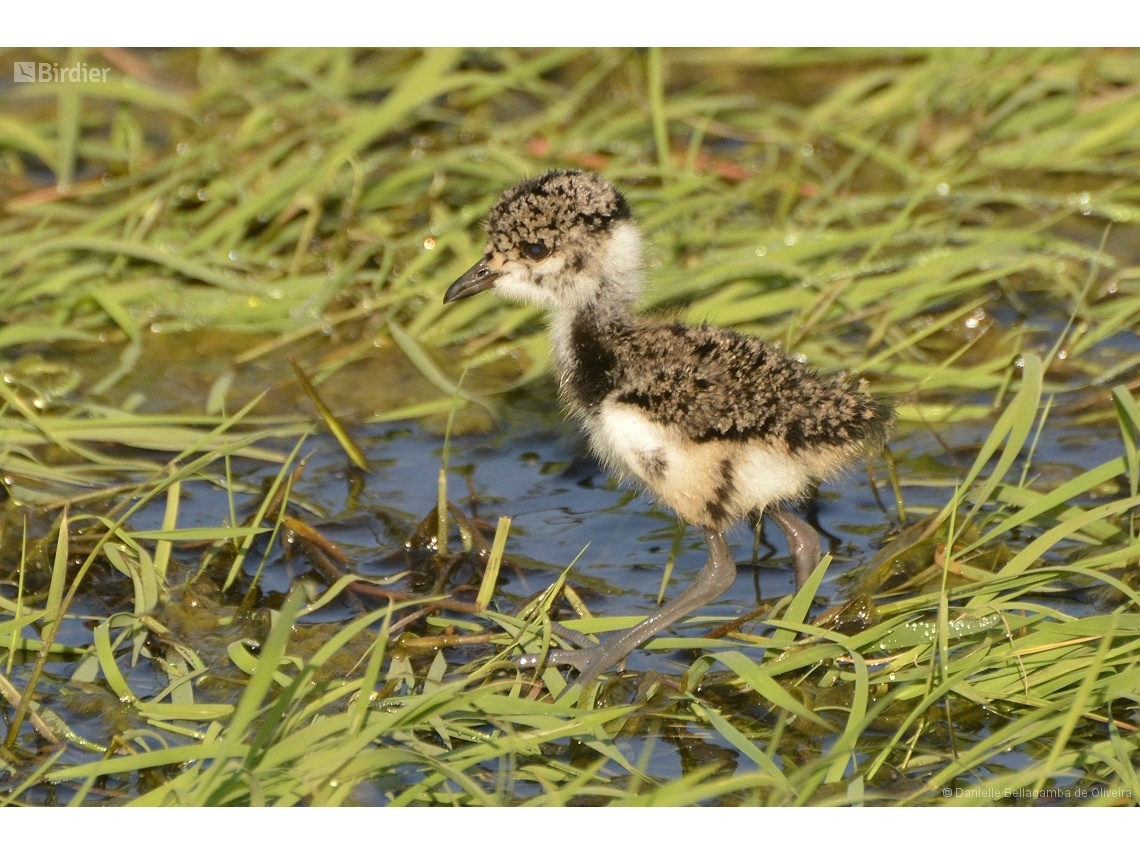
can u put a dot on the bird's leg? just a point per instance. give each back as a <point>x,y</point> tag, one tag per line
<point>803,540</point>
<point>715,578</point>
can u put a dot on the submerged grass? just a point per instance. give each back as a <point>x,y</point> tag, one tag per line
<point>960,225</point>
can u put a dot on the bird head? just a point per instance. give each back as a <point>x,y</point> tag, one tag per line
<point>562,241</point>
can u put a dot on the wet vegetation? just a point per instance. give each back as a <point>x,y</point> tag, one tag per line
<point>220,283</point>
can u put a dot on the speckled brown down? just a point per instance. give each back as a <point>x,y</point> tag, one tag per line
<point>558,209</point>
<point>716,425</point>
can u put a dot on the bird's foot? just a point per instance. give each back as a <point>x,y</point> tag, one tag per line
<point>589,661</point>
<point>588,658</point>
<point>559,657</point>
<point>577,659</point>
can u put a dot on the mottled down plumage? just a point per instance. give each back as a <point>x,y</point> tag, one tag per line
<point>558,209</point>
<point>713,383</point>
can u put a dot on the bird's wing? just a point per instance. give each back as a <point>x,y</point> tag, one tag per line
<point>717,384</point>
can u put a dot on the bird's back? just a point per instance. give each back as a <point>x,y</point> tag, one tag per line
<point>715,384</point>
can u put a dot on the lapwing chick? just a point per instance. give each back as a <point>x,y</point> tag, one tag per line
<point>716,425</point>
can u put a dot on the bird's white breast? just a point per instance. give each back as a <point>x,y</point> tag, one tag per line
<point>688,476</point>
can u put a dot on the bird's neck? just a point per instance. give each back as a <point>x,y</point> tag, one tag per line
<point>598,309</point>
<point>582,344</point>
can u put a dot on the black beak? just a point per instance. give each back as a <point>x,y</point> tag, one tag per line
<point>478,278</point>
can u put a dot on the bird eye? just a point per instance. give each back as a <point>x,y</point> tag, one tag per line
<point>535,251</point>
